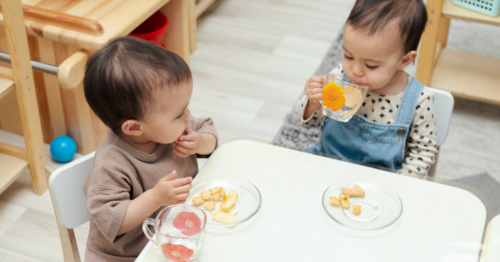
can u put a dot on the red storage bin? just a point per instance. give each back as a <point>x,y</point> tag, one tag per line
<point>152,29</point>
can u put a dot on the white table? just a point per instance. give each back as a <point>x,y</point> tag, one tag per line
<point>438,222</point>
<point>492,241</point>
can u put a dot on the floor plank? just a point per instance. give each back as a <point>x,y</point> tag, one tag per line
<point>8,255</point>
<point>9,213</point>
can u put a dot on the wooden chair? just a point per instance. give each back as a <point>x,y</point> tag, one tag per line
<point>14,160</point>
<point>443,107</point>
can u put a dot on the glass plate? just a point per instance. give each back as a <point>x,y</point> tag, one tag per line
<point>380,207</point>
<point>246,206</point>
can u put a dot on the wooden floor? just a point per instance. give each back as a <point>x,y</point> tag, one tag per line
<point>251,64</point>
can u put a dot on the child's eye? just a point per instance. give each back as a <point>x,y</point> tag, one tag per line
<point>350,58</point>
<point>371,67</point>
<point>180,115</point>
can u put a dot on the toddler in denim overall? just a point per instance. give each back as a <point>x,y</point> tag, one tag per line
<point>395,126</point>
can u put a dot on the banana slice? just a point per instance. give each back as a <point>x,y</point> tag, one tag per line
<point>228,203</point>
<point>224,218</point>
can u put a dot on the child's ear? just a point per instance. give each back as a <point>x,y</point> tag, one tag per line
<point>407,59</point>
<point>132,128</point>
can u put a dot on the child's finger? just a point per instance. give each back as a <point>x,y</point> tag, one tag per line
<point>182,149</point>
<point>315,79</point>
<point>186,144</point>
<point>316,91</point>
<point>182,197</point>
<point>182,181</point>
<point>314,94</point>
<point>315,98</point>
<point>315,85</point>
<point>179,154</point>
<point>170,176</point>
<point>188,136</point>
<point>183,189</point>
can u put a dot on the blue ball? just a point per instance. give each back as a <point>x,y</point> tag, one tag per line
<point>63,148</point>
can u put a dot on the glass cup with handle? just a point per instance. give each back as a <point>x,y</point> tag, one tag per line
<point>341,99</point>
<point>179,232</point>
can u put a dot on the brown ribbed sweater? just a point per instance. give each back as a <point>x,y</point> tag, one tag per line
<point>119,174</point>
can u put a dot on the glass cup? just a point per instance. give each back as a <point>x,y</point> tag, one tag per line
<point>179,232</point>
<point>341,99</point>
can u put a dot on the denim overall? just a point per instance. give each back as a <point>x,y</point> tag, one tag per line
<point>363,140</point>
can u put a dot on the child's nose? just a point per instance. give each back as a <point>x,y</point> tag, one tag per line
<point>357,71</point>
<point>187,115</point>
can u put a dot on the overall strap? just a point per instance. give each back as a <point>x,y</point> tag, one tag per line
<point>409,102</point>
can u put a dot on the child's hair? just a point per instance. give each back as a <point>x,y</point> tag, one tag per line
<point>121,78</point>
<point>374,15</point>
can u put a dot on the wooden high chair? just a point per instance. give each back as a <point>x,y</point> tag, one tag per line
<point>14,160</point>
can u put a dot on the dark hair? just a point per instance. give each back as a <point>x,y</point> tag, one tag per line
<point>374,15</point>
<point>121,77</point>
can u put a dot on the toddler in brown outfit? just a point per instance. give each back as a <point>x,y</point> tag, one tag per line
<point>141,92</point>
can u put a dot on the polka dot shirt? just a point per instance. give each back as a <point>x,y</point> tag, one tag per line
<point>421,148</point>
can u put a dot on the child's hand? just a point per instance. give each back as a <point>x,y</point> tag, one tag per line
<point>314,89</point>
<point>169,192</point>
<point>188,144</point>
<point>314,92</point>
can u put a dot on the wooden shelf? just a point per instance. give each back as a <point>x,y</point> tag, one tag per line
<point>468,75</point>
<point>117,18</point>
<point>452,11</point>
<point>12,168</point>
<point>6,85</point>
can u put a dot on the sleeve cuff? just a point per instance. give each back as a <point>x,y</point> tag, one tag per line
<point>110,222</point>
<point>313,120</point>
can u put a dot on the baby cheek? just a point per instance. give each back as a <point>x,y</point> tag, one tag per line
<point>377,80</point>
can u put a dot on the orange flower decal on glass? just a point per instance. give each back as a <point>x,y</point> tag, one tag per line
<point>188,223</point>
<point>352,96</point>
<point>333,96</point>
<point>177,253</point>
